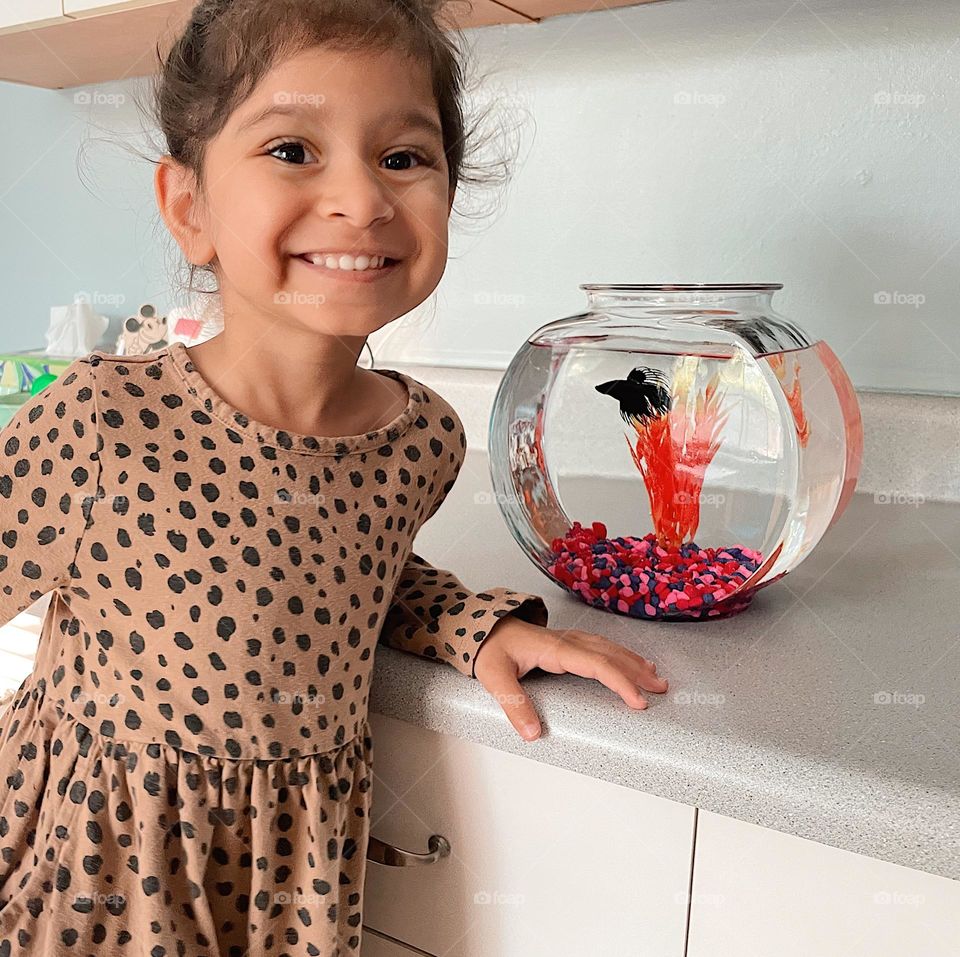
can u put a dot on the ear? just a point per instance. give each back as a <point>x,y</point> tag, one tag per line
<point>178,198</point>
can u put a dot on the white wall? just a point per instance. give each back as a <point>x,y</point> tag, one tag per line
<point>783,166</point>
<point>61,235</point>
<point>812,143</point>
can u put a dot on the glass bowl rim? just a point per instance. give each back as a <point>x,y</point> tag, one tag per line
<point>685,287</point>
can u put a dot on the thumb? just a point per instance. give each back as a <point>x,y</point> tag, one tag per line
<point>502,683</point>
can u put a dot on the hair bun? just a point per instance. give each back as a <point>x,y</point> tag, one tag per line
<point>206,10</point>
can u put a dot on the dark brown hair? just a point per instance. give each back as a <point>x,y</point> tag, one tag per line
<point>228,46</point>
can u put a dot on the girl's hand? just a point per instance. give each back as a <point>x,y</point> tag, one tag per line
<point>516,646</point>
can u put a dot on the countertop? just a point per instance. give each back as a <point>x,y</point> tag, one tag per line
<point>829,709</point>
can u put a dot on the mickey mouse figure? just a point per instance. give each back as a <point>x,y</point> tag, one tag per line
<point>144,332</point>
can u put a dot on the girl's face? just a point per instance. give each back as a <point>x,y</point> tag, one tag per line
<point>332,153</point>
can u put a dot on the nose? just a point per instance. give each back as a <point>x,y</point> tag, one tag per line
<point>350,189</point>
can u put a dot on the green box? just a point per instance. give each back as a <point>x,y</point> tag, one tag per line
<point>18,370</point>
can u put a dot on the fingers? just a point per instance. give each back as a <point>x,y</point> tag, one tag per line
<point>501,681</point>
<point>576,652</point>
<point>625,684</point>
<point>645,673</point>
<point>644,663</point>
<point>641,670</point>
<point>618,682</point>
<point>620,669</point>
<point>651,681</point>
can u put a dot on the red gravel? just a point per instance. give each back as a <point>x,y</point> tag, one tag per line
<point>640,578</point>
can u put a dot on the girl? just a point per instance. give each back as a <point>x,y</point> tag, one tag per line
<point>227,529</point>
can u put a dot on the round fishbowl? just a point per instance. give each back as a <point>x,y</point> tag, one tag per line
<point>674,448</point>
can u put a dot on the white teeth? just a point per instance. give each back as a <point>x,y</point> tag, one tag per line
<point>345,261</point>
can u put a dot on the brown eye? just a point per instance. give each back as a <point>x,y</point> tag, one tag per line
<point>292,148</point>
<point>422,160</point>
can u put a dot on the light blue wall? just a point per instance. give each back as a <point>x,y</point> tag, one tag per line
<point>64,230</point>
<point>688,141</point>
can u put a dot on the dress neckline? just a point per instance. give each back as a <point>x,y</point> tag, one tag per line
<point>269,435</point>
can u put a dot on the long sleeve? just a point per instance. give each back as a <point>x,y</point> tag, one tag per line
<point>433,614</point>
<point>49,472</point>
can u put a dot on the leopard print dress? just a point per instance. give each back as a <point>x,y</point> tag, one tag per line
<point>188,768</point>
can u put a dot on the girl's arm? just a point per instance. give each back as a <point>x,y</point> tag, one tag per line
<point>49,472</point>
<point>433,614</point>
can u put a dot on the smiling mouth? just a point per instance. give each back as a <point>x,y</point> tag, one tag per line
<point>348,274</point>
<point>348,263</point>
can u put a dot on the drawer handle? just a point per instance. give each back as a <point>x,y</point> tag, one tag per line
<point>382,853</point>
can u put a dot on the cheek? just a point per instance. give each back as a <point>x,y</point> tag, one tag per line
<point>441,250</point>
<point>432,220</point>
<point>436,262</point>
<point>250,223</point>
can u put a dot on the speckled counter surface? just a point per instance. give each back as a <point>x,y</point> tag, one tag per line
<point>829,709</point>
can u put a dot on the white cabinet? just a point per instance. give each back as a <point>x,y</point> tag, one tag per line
<point>17,15</point>
<point>543,861</point>
<point>758,892</point>
<point>19,640</point>
<point>93,8</point>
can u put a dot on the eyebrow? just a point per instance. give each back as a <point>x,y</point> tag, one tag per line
<point>410,118</point>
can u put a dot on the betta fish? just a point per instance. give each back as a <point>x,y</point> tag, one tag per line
<point>644,395</point>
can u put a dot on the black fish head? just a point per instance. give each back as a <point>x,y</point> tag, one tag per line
<point>611,387</point>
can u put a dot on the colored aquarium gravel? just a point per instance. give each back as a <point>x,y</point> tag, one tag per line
<point>643,579</point>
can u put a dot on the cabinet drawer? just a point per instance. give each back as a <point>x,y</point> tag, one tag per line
<point>543,861</point>
<point>758,892</point>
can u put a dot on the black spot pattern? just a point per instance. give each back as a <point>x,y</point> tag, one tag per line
<point>188,768</point>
